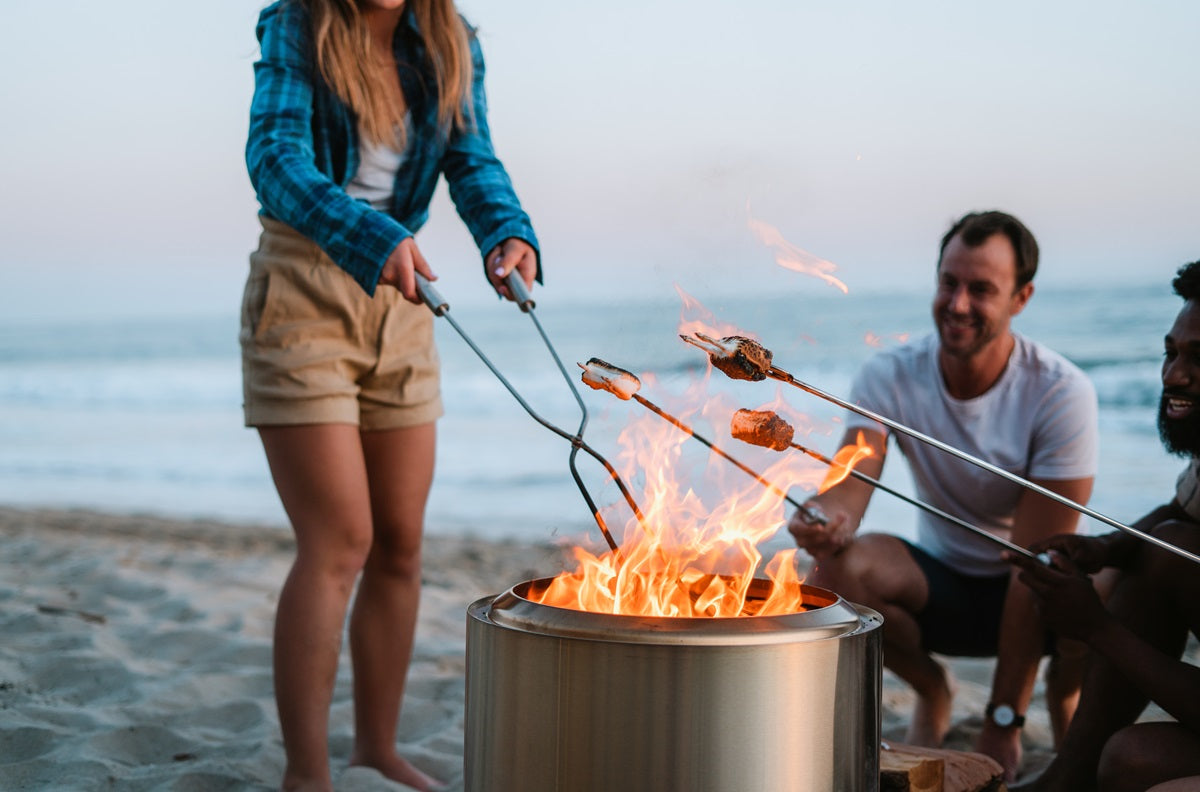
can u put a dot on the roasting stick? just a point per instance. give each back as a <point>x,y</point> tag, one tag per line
<point>765,428</point>
<point>431,298</point>
<point>742,358</point>
<point>526,304</point>
<point>624,385</point>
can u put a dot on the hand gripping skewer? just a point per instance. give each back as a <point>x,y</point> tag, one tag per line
<point>742,358</point>
<point>431,298</point>
<point>624,385</point>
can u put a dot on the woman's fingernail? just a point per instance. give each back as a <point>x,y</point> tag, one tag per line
<point>499,270</point>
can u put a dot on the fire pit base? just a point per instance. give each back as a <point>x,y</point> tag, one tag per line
<point>566,700</point>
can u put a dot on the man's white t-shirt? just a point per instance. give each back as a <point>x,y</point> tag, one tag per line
<point>1038,421</point>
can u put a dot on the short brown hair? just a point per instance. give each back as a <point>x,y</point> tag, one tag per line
<point>976,227</point>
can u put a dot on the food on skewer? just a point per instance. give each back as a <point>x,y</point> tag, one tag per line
<point>762,428</point>
<point>604,376</point>
<point>739,357</point>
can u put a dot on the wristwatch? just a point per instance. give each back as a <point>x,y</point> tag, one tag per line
<point>1004,716</point>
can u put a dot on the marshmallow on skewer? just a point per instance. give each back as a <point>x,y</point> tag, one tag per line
<point>604,376</point>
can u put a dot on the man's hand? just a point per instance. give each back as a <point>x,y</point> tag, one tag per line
<point>1089,554</point>
<point>511,254</point>
<point>820,540</point>
<point>405,259</point>
<point>1003,745</point>
<point>1066,597</point>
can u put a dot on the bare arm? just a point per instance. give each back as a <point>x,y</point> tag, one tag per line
<point>844,504</point>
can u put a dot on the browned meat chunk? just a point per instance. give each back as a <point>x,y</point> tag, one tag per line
<point>762,428</point>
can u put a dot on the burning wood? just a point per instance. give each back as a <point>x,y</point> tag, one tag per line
<point>737,356</point>
<point>604,376</point>
<point>762,428</point>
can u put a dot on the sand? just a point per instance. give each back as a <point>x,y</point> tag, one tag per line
<point>136,655</point>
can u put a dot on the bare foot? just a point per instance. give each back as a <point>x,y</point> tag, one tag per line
<point>931,716</point>
<point>402,771</point>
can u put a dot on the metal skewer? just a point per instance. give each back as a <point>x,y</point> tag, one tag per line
<point>439,306</point>
<point>779,374</point>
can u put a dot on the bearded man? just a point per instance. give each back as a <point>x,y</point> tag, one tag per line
<point>1137,641</point>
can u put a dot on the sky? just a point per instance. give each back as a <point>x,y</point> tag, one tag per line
<point>645,138</point>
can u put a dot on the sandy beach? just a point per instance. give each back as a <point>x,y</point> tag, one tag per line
<point>136,656</point>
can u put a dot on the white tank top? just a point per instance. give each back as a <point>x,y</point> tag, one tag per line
<point>375,179</point>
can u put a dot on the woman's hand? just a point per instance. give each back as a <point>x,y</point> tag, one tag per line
<point>511,254</point>
<point>398,270</point>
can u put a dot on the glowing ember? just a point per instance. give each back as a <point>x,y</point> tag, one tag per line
<point>604,376</point>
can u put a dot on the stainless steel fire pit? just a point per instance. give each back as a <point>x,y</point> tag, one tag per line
<point>560,699</point>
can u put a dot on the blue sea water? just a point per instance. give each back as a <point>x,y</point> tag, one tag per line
<point>144,415</point>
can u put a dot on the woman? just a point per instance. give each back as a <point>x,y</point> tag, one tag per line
<point>359,107</point>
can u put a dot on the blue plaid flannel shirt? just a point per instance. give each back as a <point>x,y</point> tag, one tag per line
<point>302,150</point>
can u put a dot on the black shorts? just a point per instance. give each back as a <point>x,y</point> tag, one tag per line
<point>962,617</point>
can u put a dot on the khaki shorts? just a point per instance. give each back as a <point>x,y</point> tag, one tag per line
<point>316,349</point>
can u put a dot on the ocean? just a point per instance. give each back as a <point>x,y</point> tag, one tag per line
<point>144,415</point>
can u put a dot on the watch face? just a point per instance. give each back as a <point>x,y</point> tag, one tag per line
<point>1003,715</point>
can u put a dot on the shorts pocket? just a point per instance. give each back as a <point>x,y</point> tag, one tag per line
<point>254,299</point>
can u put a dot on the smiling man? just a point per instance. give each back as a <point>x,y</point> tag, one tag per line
<point>980,387</point>
<point>1137,641</point>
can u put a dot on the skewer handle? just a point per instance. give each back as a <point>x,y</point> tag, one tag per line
<point>520,294</point>
<point>430,296</point>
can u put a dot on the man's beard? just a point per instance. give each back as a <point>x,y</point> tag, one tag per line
<point>1180,436</point>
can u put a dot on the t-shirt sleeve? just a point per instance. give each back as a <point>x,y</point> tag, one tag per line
<point>873,389</point>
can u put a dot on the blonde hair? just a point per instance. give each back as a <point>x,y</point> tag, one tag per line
<point>346,59</point>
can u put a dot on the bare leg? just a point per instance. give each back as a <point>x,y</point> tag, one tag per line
<point>322,482</point>
<point>400,468</point>
<point>1145,754</point>
<point>876,570</point>
<point>1064,678</point>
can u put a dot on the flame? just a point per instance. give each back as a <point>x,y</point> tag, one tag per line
<point>691,557</point>
<point>791,257</point>
<point>844,461</point>
<point>694,318</point>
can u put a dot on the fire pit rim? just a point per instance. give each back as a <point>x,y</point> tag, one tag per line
<point>835,617</point>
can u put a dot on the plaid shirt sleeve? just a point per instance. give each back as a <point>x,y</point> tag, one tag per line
<point>281,159</point>
<point>481,190</point>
